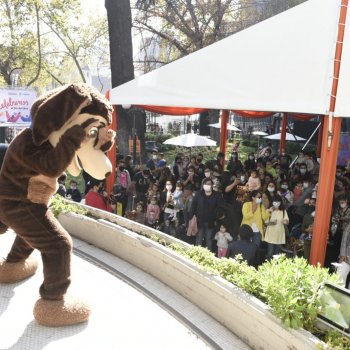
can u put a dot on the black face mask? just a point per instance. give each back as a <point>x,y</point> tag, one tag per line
<point>199,160</point>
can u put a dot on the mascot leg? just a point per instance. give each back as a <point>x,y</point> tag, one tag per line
<point>36,227</point>
<point>18,265</point>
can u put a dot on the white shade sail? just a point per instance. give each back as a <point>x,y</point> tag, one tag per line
<point>282,64</point>
<point>190,140</point>
<point>229,127</point>
<point>289,137</point>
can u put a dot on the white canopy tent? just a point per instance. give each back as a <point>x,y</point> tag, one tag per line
<point>285,63</point>
<point>288,63</point>
<point>289,137</point>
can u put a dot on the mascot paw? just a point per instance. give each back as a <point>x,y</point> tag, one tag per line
<point>55,313</point>
<point>17,271</point>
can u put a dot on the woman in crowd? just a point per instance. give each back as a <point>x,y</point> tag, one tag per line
<point>275,234</point>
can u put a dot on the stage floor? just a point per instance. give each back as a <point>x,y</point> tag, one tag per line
<point>130,310</point>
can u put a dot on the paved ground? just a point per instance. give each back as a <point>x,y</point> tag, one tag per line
<point>131,310</point>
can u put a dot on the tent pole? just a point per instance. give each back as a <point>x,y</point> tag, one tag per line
<point>329,153</point>
<point>319,140</point>
<point>223,132</point>
<point>112,154</point>
<point>283,132</point>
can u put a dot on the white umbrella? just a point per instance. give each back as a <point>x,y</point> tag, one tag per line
<point>260,133</point>
<point>229,127</point>
<point>190,140</point>
<point>289,137</point>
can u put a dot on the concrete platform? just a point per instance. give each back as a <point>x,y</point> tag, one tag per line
<point>131,310</point>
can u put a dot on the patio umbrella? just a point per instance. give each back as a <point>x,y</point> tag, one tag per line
<point>229,127</point>
<point>190,140</point>
<point>289,137</point>
<point>259,133</point>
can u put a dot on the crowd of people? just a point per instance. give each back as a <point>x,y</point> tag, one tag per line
<point>255,207</point>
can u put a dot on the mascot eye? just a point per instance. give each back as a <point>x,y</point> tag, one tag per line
<point>93,132</point>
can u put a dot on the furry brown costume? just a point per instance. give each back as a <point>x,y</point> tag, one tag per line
<point>66,121</point>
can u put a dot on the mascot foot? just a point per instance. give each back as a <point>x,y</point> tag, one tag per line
<point>65,312</point>
<point>17,271</point>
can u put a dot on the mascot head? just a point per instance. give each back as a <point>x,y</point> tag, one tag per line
<point>76,104</point>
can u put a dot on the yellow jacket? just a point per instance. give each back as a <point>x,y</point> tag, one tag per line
<point>260,216</point>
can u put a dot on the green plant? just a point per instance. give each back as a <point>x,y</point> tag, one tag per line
<point>336,341</point>
<point>290,287</point>
<point>59,206</point>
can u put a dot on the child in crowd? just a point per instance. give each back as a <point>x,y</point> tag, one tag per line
<point>254,182</point>
<point>140,214</point>
<point>152,213</point>
<point>178,199</point>
<point>73,192</point>
<point>222,237</point>
<point>61,187</point>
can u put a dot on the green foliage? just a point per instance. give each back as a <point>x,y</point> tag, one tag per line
<point>59,206</point>
<point>336,341</point>
<point>159,138</point>
<point>290,287</point>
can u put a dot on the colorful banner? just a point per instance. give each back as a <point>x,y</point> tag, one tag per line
<point>344,149</point>
<point>15,105</point>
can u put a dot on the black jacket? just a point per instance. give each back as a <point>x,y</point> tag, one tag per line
<point>204,207</point>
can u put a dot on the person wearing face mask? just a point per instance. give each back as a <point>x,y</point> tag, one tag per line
<point>286,194</point>
<point>204,206</point>
<point>340,225</point>
<point>191,178</point>
<point>304,175</point>
<point>97,197</point>
<point>178,167</point>
<point>269,194</point>
<point>141,182</point>
<point>152,163</point>
<point>74,192</point>
<point>167,205</point>
<point>275,235</point>
<point>250,163</point>
<point>200,166</point>
<point>234,165</point>
<point>121,185</point>
<point>255,215</point>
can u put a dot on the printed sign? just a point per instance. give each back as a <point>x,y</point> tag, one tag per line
<point>15,105</point>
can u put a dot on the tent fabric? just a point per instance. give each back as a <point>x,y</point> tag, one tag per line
<point>190,140</point>
<point>292,71</point>
<point>173,110</point>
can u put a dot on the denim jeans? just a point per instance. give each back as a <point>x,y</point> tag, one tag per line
<point>206,233</point>
<point>273,249</point>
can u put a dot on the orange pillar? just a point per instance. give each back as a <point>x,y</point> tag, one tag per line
<point>325,192</point>
<point>112,154</point>
<point>319,139</point>
<point>223,132</point>
<point>329,153</point>
<point>283,132</point>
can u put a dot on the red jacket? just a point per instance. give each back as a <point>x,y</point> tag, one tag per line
<point>94,199</point>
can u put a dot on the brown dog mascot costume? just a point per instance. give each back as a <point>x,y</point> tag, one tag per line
<point>69,130</point>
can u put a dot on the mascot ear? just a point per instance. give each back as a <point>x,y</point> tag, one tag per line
<point>52,110</point>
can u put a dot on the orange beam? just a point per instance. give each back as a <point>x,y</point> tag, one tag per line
<point>112,154</point>
<point>283,132</point>
<point>223,132</point>
<point>329,153</point>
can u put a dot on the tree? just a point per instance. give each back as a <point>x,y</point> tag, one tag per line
<point>122,69</point>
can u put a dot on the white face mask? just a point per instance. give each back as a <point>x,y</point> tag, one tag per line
<point>207,188</point>
<point>276,204</point>
<point>258,200</point>
<point>251,157</point>
<point>313,214</point>
<point>285,187</point>
<point>154,157</point>
<point>271,189</point>
<point>207,174</point>
<point>169,187</point>
<point>302,171</point>
<point>305,185</point>
<point>342,205</point>
<point>242,178</point>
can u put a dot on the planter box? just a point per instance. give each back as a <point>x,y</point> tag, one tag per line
<point>243,314</point>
